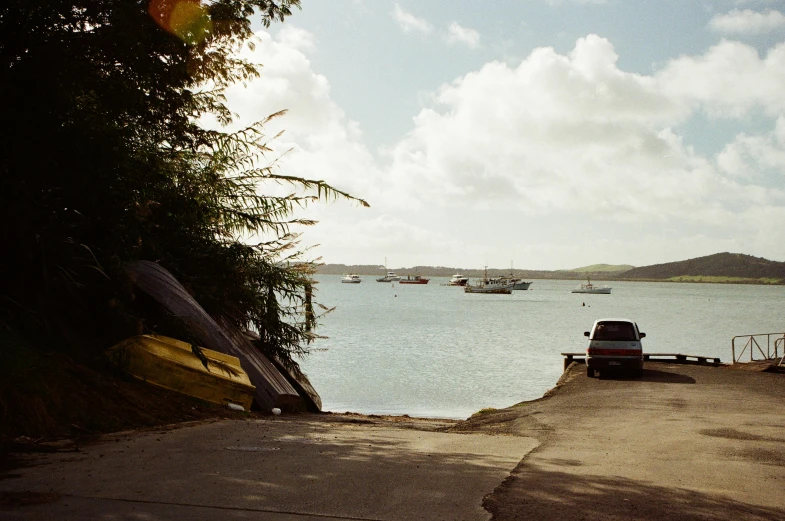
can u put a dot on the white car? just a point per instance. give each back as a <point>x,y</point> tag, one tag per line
<point>614,344</point>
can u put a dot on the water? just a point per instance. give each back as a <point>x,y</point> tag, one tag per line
<point>434,351</point>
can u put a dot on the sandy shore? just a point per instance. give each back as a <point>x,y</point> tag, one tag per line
<point>683,442</point>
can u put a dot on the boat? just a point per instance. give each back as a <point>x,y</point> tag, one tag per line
<point>351,278</point>
<point>458,280</point>
<point>518,284</point>
<point>591,288</point>
<point>273,389</point>
<point>416,280</point>
<point>390,277</point>
<point>497,285</point>
<point>170,363</point>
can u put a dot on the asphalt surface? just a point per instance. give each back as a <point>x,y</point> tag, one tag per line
<point>287,468</point>
<point>682,442</point>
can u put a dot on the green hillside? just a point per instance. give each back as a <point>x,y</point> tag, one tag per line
<point>720,267</point>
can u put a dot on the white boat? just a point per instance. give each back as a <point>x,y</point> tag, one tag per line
<point>390,277</point>
<point>591,288</point>
<point>351,278</point>
<point>519,284</point>
<point>497,285</point>
<point>458,280</point>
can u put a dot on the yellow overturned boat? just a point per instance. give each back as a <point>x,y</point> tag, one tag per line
<point>171,364</point>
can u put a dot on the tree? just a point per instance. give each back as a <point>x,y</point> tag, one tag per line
<point>105,162</point>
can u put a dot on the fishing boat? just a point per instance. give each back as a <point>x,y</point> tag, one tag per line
<point>414,280</point>
<point>170,363</point>
<point>351,278</point>
<point>519,284</point>
<point>458,280</point>
<point>390,277</point>
<point>591,288</point>
<point>496,285</point>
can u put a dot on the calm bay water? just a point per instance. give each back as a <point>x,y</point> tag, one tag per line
<point>434,351</point>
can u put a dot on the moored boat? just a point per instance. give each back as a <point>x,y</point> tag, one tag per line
<point>416,280</point>
<point>170,363</point>
<point>497,285</point>
<point>458,280</point>
<point>591,288</point>
<point>390,277</point>
<point>518,284</point>
<point>351,278</point>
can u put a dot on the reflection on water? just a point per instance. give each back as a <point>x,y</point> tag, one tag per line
<point>432,350</point>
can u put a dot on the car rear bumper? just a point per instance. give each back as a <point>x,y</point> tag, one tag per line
<point>608,362</point>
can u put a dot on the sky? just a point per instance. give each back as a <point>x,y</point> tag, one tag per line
<point>539,134</point>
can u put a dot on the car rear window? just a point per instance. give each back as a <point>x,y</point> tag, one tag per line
<point>614,331</point>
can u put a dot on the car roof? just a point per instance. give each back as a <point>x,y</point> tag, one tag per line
<point>613,320</point>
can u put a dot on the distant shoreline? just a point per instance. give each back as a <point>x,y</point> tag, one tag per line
<point>604,276</point>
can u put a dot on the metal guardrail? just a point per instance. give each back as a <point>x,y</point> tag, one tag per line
<point>781,342</point>
<point>652,357</point>
<point>753,346</point>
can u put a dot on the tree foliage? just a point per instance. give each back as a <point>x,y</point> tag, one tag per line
<point>104,161</point>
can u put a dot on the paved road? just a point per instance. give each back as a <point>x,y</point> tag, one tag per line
<point>293,468</point>
<point>682,443</point>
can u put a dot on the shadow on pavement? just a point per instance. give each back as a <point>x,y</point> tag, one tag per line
<point>531,493</point>
<point>651,375</point>
<point>279,469</point>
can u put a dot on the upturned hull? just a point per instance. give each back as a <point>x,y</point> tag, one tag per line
<point>170,363</point>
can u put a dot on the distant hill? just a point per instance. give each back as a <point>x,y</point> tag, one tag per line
<point>602,268</point>
<point>604,271</point>
<point>720,267</point>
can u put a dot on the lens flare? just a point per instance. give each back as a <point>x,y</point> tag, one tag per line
<point>186,19</point>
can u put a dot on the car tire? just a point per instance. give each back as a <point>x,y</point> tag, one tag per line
<point>590,372</point>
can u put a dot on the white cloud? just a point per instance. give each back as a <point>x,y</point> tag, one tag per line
<point>464,35</point>
<point>541,136</point>
<point>322,143</point>
<point>410,23</point>
<point>748,21</point>
<point>729,80</point>
<point>546,162</point>
<point>757,159</point>
<point>573,138</point>
<point>296,39</point>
